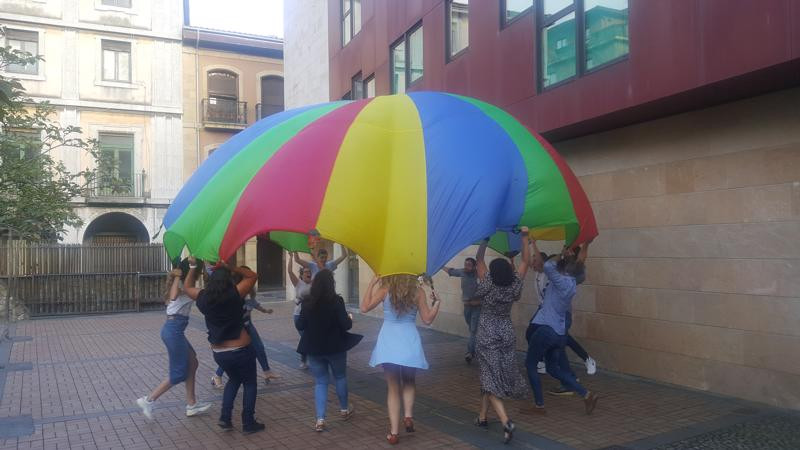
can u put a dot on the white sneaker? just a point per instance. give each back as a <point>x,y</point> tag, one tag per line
<point>197,408</point>
<point>591,366</point>
<point>303,366</point>
<point>541,367</point>
<point>147,407</point>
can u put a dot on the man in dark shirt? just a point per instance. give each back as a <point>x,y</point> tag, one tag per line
<point>472,304</point>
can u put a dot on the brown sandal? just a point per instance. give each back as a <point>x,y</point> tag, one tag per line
<point>409,423</point>
<point>393,439</point>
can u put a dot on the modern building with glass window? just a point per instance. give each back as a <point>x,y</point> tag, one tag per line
<point>109,67</point>
<point>681,121</point>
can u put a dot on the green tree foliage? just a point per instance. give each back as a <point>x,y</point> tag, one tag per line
<point>36,188</point>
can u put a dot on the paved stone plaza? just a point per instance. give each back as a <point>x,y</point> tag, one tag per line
<point>71,383</point>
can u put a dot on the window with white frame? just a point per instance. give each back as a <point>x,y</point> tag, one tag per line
<point>24,41</point>
<point>116,61</point>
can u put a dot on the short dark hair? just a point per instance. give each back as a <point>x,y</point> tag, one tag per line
<point>501,272</point>
<point>472,260</point>
<point>322,251</point>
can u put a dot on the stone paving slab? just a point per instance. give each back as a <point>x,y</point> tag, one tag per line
<point>71,383</point>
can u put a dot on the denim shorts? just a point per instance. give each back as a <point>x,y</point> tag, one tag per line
<point>178,347</point>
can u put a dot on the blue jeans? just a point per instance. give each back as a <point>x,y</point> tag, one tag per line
<point>472,315</point>
<point>319,365</point>
<point>240,366</point>
<point>544,342</point>
<point>178,347</point>
<point>297,318</point>
<point>258,346</point>
<point>572,343</point>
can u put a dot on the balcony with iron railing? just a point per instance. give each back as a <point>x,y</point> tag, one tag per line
<point>223,113</point>
<point>117,189</point>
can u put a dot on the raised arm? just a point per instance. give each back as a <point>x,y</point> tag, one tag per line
<point>583,252</point>
<point>174,284</point>
<point>526,254</point>
<point>458,273</point>
<point>249,279</point>
<point>536,259</point>
<point>345,254</point>
<point>426,313</point>
<point>289,269</point>
<point>373,296</point>
<point>563,283</point>
<point>302,262</point>
<point>480,258</point>
<point>191,278</point>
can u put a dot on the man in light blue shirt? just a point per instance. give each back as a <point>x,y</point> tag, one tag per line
<point>321,262</point>
<point>547,333</point>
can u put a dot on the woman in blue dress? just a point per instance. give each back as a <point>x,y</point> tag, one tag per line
<point>399,348</point>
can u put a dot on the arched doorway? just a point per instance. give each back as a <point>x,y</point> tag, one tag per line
<point>115,228</point>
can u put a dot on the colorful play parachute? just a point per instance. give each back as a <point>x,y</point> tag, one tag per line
<point>406,181</point>
<point>293,242</point>
<point>508,243</point>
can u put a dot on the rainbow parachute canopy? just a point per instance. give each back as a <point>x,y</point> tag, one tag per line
<point>406,181</point>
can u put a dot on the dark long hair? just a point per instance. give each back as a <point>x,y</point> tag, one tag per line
<point>219,282</point>
<point>323,289</point>
<point>501,271</point>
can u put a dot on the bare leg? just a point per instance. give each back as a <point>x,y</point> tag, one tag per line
<point>497,404</point>
<point>409,390</point>
<point>159,390</point>
<point>484,407</point>
<point>190,377</point>
<point>392,374</point>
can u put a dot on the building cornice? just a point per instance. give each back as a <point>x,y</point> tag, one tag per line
<point>113,106</point>
<point>83,26</point>
<point>232,42</point>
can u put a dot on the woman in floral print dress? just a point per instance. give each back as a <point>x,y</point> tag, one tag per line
<point>499,287</point>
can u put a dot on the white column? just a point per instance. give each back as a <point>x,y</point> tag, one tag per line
<point>341,275</point>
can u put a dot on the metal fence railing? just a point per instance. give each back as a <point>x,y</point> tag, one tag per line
<point>54,279</point>
<point>132,185</point>
<point>224,111</point>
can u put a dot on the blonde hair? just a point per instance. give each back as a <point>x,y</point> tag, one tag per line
<point>403,291</point>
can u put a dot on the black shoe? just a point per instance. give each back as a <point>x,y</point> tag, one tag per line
<point>468,358</point>
<point>227,426</point>
<point>254,427</point>
<point>481,423</point>
<point>508,431</point>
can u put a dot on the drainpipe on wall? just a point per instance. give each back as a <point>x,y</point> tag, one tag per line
<point>197,94</point>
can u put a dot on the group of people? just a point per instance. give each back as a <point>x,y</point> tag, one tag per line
<point>488,294</point>
<point>323,323</point>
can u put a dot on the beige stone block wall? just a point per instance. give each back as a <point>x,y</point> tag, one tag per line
<point>695,277</point>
